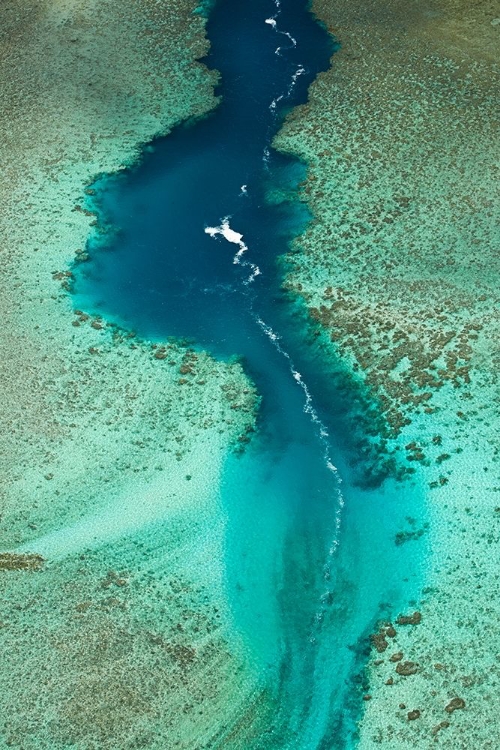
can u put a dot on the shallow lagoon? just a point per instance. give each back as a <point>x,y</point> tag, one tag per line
<point>311,562</point>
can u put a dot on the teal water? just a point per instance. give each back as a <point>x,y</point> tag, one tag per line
<point>310,558</point>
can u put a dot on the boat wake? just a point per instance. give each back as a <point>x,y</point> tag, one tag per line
<point>225,231</point>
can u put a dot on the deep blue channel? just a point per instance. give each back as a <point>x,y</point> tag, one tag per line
<point>311,561</point>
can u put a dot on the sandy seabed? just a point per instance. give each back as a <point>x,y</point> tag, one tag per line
<point>111,447</point>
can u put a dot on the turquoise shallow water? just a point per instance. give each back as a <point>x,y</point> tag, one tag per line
<point>310,558</point>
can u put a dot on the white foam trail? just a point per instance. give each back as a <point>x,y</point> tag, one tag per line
<point>277,51</point>
<point>300,71</point>
<point>255,272</point>
<point>271,21</point>
<point>230,235</point>
<point>323,435</point>
<point>274,104</point>
<point>224,230</point>
<point>308,406</point>
<point>290,37</point>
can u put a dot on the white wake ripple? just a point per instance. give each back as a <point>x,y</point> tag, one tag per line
<point>224,230</point>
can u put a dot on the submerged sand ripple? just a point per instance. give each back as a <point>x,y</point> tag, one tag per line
<point>105,437</point>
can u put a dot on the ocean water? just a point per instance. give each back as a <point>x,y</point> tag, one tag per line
<point>311,560</point>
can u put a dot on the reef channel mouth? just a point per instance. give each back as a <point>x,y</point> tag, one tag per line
<point>311,561</point>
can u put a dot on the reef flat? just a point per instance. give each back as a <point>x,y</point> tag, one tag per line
<point>109,443</point>
<point>400,268</point>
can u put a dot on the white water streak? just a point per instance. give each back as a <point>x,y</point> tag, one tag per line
<point>230,235</point>
<point>271,21</point>
<point>323,436</point>
<point>225,231</point>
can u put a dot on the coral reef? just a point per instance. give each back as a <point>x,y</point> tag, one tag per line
<point>399,270</point>
<point>102,432</point>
